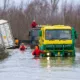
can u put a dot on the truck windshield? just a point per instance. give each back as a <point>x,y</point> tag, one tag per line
<point>57,34</point>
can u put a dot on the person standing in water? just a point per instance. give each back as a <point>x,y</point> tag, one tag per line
<point>22,47</point>
<point>37,52</point>
<point>16,43</point>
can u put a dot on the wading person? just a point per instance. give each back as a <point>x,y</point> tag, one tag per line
<point>16,43</point>
<point>37,52</point>
<point>22,47</point>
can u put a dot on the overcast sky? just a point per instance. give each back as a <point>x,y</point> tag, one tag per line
<point>17,2</point>
<point>28,1</point>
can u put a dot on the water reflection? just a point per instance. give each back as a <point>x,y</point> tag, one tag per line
<point>57,62</point>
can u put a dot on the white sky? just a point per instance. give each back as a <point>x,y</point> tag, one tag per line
<point>17,2</point>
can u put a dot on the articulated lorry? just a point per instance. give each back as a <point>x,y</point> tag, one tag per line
<point>57,40</point>
<point>6,38</point>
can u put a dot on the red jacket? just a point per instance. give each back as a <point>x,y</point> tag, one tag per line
<point>37,52</point>
<point>34,24</point>
<point>22,47</point>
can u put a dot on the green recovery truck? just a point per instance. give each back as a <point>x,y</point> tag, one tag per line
<point>57,40</point>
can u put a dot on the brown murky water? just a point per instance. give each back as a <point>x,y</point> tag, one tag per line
<point>22,66</point>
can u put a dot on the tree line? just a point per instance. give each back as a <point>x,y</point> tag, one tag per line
<point>43,11</point>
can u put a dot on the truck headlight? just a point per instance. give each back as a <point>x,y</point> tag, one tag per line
<point>48,54</point>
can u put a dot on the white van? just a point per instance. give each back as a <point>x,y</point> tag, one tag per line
<point>6,38</point>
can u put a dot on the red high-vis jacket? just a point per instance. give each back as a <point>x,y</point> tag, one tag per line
<point>37,52</point>
<point>22,47</point>
<point>34,24</point>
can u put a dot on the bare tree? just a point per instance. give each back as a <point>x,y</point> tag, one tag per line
<point>54,4</point>
<point>43,12</point>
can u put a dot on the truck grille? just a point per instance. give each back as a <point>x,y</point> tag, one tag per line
<point>58,47</point>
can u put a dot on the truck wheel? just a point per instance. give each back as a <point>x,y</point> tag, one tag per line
<point>72,54</point>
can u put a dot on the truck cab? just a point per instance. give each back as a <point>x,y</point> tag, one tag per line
<point>34,36</point>
<point>57,40</point>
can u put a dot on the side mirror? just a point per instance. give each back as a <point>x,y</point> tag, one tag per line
<point>40,33</point>
<point>76,35</point>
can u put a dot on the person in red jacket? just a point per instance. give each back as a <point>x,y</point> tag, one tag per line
<point>22,47</point>
<point>34,24</point>
<point>37,52</point>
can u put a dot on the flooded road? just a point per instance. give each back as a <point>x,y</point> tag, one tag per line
<point>22,66</point>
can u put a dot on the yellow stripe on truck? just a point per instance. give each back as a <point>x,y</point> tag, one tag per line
<point>57,41</point>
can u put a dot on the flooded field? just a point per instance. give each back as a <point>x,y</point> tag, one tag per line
<point>22,66</point>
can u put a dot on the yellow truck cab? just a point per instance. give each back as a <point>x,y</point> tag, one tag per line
<point>57,40</point>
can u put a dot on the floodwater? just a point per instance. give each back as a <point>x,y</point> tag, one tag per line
<point>22,66</point>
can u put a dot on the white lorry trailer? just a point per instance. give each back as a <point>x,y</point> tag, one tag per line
<point>6,38</point>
